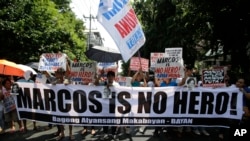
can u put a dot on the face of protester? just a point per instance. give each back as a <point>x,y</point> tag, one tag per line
<point>139,77</point>
<point>7,85</point>
<point>188,72</point>
<point>167,80</point>
<point>110,78</point>
<point>240,83</point>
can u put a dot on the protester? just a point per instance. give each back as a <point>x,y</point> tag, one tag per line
<point>139,79</point>
<point>61,77</point>
<point>240,83</point>
<point>1,107</point>
<point>188,74</point>
<point>29,76</point>
<point>228,83</point>
<point>10,112</point>
<point>245,122</point>
<point>85,128</point>
<point>110,82</point>
<point>166,82</point>
<point>150,83</point>
<point>199,130</point>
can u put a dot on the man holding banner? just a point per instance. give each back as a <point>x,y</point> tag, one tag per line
<point>107,94</point>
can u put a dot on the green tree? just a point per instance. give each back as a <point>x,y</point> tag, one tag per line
<point>175,23</point>
<point>30,28</point>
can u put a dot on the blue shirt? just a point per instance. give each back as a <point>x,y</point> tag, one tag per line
<point>164,84</point>
<point>136,84</point>
<point>246,102</point>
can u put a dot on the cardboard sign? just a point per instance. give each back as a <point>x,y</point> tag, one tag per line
<point>212,78</point>
<point>83,72</point>
<point>137,62</point>
<point>52,61</point>
<point>153,58</point>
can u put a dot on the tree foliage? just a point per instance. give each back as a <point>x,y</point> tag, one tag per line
<point>192,23</point>
<point>30,28</point>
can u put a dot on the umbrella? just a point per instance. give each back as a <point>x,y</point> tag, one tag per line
<point>10,68</point>
<point>103,54</point>
<point>26,68</point>
<point>33,65</point>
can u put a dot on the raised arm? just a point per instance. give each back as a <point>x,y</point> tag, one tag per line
<point>139,73</point>
<point>98,78</point>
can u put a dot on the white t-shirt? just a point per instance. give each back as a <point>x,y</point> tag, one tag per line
<point>115,83</point>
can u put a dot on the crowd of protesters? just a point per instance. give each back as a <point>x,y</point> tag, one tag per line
<point>139,79</point>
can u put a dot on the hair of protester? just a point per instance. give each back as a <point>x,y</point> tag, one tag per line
<point>151,78</point>
<point>111,73</point>
<point>188,67</point>
<point>60,70</point>
<point>5,80</point>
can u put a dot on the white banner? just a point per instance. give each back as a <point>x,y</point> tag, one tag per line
<point>153,58</point>
<point>123,26</point>
<point>170,65</point>
<point>137,62</point>
<point>173,52</point>
<point>133,106</point>
<point>83,72</point>
<point>52,61</point>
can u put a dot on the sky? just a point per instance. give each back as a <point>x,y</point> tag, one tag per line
<point>90,7</point>
<point>85,8</point>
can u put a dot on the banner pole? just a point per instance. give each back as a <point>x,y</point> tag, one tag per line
<point>139,56</point>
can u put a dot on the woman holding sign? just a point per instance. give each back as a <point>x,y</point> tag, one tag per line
<point>110,82</point>
<point>138,79</point>
<point>61,78</point>
<point>10,112</point>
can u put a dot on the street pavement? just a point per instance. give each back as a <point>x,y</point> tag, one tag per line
<point>47,135</point>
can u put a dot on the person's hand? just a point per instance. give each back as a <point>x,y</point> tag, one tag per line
<point>242,90</point>
<point>7,94</point>
<point>140,69</point>
<point>66,82</point>
<point>102,72</point>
